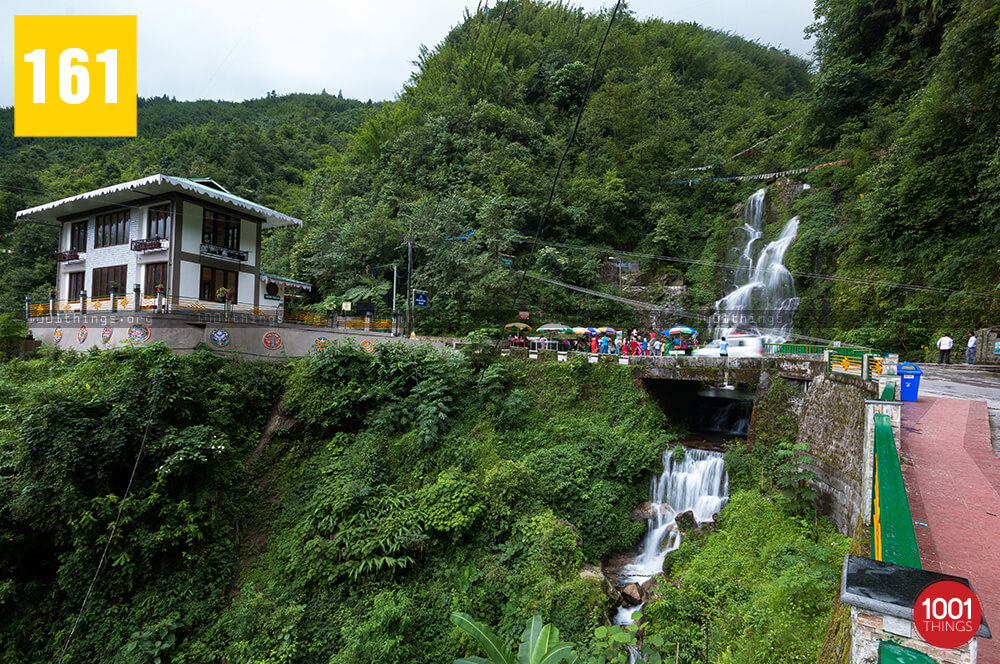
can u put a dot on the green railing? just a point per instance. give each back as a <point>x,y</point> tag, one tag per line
<point>893,537</point>
<point>794,349</point>
<point>893,653</point>
<point>888,392</point>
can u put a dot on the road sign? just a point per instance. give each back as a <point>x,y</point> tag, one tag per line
<point>419,299</point>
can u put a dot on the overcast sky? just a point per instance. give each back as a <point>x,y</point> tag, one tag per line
<point>228,49</point>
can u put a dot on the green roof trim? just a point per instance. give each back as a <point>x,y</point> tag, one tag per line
<point>267,278</point>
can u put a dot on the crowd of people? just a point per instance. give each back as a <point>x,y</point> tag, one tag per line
<point>620,343</point>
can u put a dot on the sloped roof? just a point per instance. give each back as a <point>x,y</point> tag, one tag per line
<point>154,185</point>
<point>287,282</point>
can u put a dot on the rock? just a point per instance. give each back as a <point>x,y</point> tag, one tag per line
<point>633,595</point>
<point>642,511</point>
<point>686,521</point>
<point>647,509</point>
<point>648,583</point>
<point>592,572</point>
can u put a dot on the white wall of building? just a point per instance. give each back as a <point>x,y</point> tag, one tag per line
<point>245,289</point>
<point>248,241</point>
<point>190,221</point>
<point>190,279</point>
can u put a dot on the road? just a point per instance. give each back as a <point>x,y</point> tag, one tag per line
<point>964,382</point>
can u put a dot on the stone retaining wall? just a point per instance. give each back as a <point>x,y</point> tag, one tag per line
<point>830,409</point>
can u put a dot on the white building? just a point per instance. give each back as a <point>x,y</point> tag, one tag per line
<point>186,237</point>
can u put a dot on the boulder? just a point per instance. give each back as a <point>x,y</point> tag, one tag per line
<point>647,509</point>
<point>633,595</point>
<point>648,583</point>
<point>686,521</point>
<point>592,572</point>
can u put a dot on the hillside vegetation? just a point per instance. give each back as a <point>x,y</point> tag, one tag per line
<point>463,160</point>
<point>340,509</point>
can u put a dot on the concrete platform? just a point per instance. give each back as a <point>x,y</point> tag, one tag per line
<point>952,480</point>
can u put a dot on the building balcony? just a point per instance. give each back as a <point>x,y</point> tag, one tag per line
<point>225,252</point>
<point>150,244</point>
<point>70,256</point>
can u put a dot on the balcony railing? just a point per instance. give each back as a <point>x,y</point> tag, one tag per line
<point>225,252</point>
<point>150,244</point>
<point>70,256</point>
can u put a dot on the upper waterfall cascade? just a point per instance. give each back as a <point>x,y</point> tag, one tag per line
<point>763,300</point>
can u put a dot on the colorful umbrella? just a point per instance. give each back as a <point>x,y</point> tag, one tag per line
<point>555,327</point>
<point>680,329</point>
<point>519,326</point>
<point>584,330</point>
<point>607,329</point>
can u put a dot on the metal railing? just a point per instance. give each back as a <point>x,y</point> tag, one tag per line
<point>794,349</point>
<point>894,539</point>
<point>848,361</point>
<point>237,311</point>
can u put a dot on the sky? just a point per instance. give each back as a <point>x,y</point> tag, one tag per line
<point>235,50</point>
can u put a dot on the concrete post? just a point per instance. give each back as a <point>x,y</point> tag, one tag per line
<point>137,296</point>
<point>83,302</point>
<point>864,365</point>
<point>52,305</point>
<point>114,300</point>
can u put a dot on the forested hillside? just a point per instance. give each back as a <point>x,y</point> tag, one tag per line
<point>340,509</point>
<point>900,235</point>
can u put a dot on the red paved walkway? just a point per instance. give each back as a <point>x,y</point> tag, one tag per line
<point>952,480</point>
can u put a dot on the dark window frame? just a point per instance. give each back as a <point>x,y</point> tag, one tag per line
<point>156,273</point>
<point>158,221</point>
<point>220,229</point>
<point>215,279</point>
<point>111,229</point>
<point>80,278</point>
<point>78,236</point>
<point>105,275</point>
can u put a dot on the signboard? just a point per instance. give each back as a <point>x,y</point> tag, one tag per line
<point>523,315</point>
<point>996,348</point>
<point>346,306</point>
<point>419,299</point>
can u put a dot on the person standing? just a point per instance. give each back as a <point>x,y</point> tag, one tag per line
<point>723,348</point>
<point>944,345</point>
<point>970,349</point>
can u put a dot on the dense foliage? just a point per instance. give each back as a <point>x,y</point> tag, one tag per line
<point>71,428</point>
<point>402,486</point>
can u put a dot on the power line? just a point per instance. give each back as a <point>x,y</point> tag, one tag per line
<point>639,304</point>
<point>569,143</point>
<point>794,273</point>
<point>708,167</point>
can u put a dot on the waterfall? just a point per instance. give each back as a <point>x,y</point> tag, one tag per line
<point>763,298</point>
<point>698,483</point>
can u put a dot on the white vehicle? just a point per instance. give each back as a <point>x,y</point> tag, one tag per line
<point>740,345</point>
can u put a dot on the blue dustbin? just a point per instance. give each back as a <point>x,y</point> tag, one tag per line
<point>909,381</point>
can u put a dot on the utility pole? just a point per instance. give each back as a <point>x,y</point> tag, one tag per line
<point>409,277</point>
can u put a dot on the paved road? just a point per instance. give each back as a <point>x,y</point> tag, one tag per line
<point>964,382</point>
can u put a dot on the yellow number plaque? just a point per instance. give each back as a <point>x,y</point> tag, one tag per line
<point>75,75</point>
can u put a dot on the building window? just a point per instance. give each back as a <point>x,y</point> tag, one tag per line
<point>75,285</point>
<point>105,276</point>
<point>159,221</point>
<point>220,229</point>
<point>212,279</point>
<point>78,236</point>
<point>111,229</point>
<point>156,274</point>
